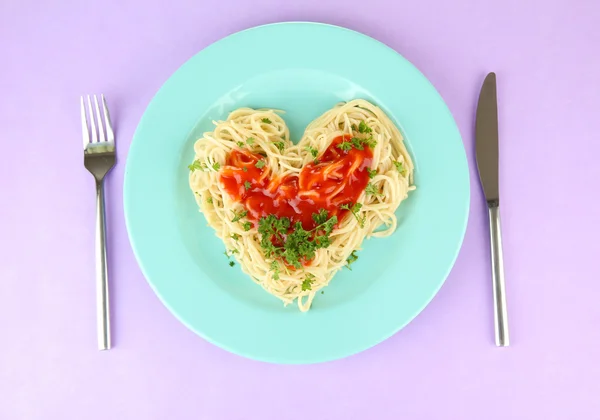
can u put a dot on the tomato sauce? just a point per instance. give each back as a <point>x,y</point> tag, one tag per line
<point>337,178</point>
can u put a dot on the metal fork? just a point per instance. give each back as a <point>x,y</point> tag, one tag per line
<point>99,157</point>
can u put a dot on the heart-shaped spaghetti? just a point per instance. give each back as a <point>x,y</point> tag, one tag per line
<point>293,215</point>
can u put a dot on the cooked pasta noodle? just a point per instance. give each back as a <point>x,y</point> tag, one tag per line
<point>259,141</point>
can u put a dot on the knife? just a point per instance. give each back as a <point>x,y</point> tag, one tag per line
<point>486,144</point>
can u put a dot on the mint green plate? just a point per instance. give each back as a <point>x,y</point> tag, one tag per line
<point>303,68</point>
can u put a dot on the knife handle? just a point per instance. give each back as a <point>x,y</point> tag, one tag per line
<point>500,316</point>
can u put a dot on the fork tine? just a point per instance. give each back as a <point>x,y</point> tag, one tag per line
<point>84,126</point>
<point>92,123</point>
<point>99,119</point>
<point>109,131</point>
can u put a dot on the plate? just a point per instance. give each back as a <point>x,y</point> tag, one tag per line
<point>304,69</point>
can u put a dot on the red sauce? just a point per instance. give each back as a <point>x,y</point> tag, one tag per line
<point>338,178</point>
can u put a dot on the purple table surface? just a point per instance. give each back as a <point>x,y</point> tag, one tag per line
<point>444,365</point>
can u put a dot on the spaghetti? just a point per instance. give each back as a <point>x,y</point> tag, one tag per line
<point>293,215</point>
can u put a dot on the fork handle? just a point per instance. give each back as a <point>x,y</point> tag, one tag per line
<point>500,313</point>
<point>102,304</point>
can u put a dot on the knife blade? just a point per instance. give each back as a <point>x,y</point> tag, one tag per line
<point>486,139</point>
<point>486,151</point>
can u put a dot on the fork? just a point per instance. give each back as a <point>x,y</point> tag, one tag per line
<point>99,157</point>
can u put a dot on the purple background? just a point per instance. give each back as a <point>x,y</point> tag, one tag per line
<point>444,364</point>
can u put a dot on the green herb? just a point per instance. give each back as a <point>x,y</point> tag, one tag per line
<point>247,185</point>
<point>352,258</point>
<point>345,146</point>
<point>238,216</point>
<point>313,151</point>
<point>357,143</point>
<point>240,143</point>
<point>320,217</point>
<point>227,254</point>
<point>280,145</point>
<point>196,165</point>
<point>234,251</point>
<point>322,292</point>
<point>235,236</point>
<point>372,189</point>
<point>260,164</point>
<point>308,281</point>
<point>400,167</point>
<point>231,263</point>
<point>355,209</point>
<point>247,226</point>
<point>250,140</point>
<point>272,228</point>
<point>266,121</point>
<point>275,269</point>
<point>370,141</point>
<point>209,200</point>
<point>364,128</point>
<point>354,128</point>
<point>297,245</point>
<point>371,172</point>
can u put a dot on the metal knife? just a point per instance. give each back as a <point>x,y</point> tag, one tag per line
<point>486,140</point>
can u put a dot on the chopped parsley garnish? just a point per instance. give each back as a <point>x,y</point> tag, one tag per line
<point>357,143</point>
<point>238,216</point>
<point>240,143</point>
<point>247,226</point>
<point>209,200</point>
<point>231,263</point>
<point>364,128</point>
<point>235,236</point>
<point>355,209</point>
<point>298,244</point>
<point>250,140</point>
<point>201,165</point>
<point>372,189</point>
<point>354,127</point>
<point>247,185</point>
<point>400,167</point>
<point>352,258</point>
<point>345,146</point>
<point>308,281</point>
<point>280,145</point>
<point>313,151</point>
<point>244,169</point>
<point>195,165</point>
<point>275,269</point>
<point>320,217</point>
<point>370,141</point>
<point>266,121</point>
<point>371,172</point>
<point>260,164</point>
